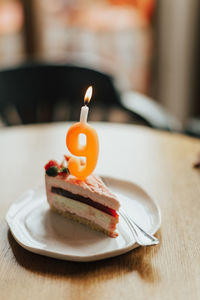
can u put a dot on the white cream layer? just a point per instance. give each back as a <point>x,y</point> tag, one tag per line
<point>83,210</point>
<point>92,188</point>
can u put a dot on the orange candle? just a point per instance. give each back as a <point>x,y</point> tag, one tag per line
<point>90,150</point>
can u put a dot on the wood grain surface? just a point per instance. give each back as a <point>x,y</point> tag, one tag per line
<point>160,162</point>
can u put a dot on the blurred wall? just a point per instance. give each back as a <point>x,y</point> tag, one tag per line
<point>177,56</point>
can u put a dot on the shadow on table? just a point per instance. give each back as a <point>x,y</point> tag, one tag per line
<point>138,260</point>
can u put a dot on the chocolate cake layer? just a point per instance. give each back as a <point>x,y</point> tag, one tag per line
<point>85,200</point>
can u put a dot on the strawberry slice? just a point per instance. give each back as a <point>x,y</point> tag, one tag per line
<point>67,157</point>
<point>51,163</point>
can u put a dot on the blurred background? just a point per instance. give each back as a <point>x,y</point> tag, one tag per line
<point>150,48</point>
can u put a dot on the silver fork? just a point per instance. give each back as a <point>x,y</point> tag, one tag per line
<point>142,237</point>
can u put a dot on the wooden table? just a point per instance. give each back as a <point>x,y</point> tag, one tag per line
<point>161,163</point>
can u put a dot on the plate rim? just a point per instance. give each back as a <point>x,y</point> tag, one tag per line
<point>77,258</point>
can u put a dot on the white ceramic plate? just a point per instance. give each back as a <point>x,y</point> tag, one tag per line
<point>36,228</point>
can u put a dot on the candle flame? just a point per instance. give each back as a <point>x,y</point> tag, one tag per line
<point>88,95</point>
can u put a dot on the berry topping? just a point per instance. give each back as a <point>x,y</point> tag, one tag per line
<point>63,171</point>
<point>51,163</point>
<point>67,157</point>
<point>53,168</point>
<point>52,171</point>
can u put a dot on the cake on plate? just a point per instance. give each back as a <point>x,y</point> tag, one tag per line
<point>87,201</point>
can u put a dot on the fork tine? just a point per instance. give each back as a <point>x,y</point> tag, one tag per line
<point>142,237</point>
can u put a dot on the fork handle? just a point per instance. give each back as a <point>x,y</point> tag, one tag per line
<point>142,237</point>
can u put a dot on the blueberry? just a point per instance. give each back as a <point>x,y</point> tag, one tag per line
<point>52,171</point>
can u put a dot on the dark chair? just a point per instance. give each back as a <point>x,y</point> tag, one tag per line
<point>35,90</point>
<point>41,92</point>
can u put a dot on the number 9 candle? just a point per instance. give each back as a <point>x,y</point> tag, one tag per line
<point>90,150</point>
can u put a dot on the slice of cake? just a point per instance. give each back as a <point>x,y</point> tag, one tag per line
<point>87,201</point>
